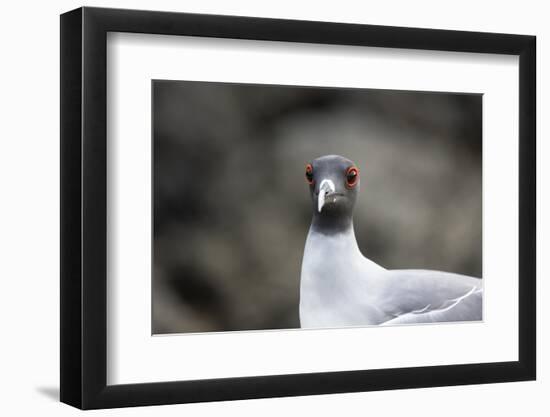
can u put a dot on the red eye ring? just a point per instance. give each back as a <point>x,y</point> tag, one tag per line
<point>309,174</point>
<point>352,177</point>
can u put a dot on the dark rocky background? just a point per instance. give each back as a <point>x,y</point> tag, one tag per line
<point>231,208</point>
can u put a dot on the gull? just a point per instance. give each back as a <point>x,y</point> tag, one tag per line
<point>340,287</point>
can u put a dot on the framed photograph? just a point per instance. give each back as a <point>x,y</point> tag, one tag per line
<point>257,208</point>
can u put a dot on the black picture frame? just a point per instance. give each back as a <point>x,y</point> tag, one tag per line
<point>84,207</point>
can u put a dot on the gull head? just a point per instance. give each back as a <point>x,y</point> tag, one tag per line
<point>333,184</point>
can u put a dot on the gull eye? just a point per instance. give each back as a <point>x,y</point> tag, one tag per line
<point>352,176</point>
<point>309,174</point>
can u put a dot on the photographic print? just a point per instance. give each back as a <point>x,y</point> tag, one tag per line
<point>286,207</point>
<point>285,223</point>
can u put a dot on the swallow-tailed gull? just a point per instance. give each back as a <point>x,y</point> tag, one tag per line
<point>340,287</point>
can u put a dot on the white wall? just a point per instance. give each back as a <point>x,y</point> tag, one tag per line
<point>29,224</point>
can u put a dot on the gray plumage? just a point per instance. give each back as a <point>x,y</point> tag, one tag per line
<point>340,287</point>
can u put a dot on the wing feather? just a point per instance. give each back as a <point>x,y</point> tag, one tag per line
<point>418,296</point>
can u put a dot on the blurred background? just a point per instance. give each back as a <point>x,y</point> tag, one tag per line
<point>231,205</point>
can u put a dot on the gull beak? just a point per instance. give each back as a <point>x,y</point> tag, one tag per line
<point>327,187</point>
